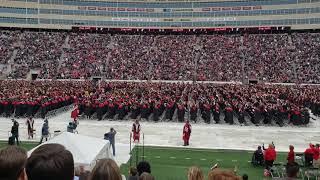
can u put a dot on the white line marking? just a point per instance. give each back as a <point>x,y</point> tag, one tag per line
<point>234,160</point>
<point>219,160</point>
<point>157,157</point>
<point>173,158</point>
<point>203,159</point>
<point>187,158</point>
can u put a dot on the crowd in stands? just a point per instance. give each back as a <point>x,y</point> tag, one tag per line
<point>240,104</point>
<point>7,40</point>
<point>85,56</point>
<point>41,50</point>
<point>65,55</point>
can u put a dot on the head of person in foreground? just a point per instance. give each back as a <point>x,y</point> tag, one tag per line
<point>105,169</point>
<point>50,162</point>
<point>12,163</point>
<point>218,174</point>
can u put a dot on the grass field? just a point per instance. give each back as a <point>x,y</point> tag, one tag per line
<point>173,163</point>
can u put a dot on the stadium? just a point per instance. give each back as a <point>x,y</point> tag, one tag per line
<point>192,87</point>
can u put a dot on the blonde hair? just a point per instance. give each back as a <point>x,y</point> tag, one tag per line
<point>218,174</point>
<point>195,173</point>
<point>106,169</point>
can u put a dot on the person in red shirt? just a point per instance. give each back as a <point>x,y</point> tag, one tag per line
<point>75,114</point>
<point>291,155</point>
<point>186,133</point>
<point>316,159</point>
<point>270,156</point>
<point>308,155</point>
<point>136,128</point>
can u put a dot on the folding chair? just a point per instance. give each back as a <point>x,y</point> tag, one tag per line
<point>276,170</point>
<point>299,158</point>
<point>312,173</point>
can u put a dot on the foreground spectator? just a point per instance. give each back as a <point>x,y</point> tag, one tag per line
<point>12,163</point>
<point>133,174</point>
<point>146,176</point>
<point>106,169</point>
<point>50,162</point>
<point>195,173</point>
<point>142,167</point>
<point>218,174</point>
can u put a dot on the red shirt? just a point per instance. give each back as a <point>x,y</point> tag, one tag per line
<point>290,157</point>
<point>270,154</point>
<point>316,152</point>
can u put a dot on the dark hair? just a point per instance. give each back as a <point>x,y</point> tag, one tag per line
<point>12,162</point>
<point>143,166</point>
<point>292,169</point>
<point>50,162</point>
<point>106,169</point>
<point>245,177</point>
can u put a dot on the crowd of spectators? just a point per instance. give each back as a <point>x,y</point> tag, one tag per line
<point>38,50</point>
<point>130,57</point>
<point>85,56</point>
<point>7,43</point>
<point>220,58</point>
<point>69,55</point>
<point>246,104</point>
<point>269,57</point>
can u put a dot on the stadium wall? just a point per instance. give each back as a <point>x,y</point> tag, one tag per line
<point>61,15</point>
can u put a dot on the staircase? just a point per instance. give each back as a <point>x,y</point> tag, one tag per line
<point>152,48</point>
<point>65,45</point>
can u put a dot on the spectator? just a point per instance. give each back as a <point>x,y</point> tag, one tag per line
<point>258,157</point>
<point>85,175</point>
<point>105,169</point>
<point>218,174</point>
<point>292,171</point>
<point>146,176</point>
<point>195,173</point>
<point>50,162</point>
<point>133,174</point>
<point>12,163</point>
<point>142,167</point>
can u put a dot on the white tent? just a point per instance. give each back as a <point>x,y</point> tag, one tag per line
<point>85,150</point>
